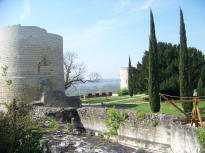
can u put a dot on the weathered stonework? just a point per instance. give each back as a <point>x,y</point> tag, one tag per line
<point>124,78</point>
<point>31,55</point>
<point>167,136</point>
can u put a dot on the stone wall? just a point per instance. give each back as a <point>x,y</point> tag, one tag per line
<point>166,136</point>
<point>124,78</point>
<point>31,54</point>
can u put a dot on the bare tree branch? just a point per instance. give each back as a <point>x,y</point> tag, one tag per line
<point>75,72</point>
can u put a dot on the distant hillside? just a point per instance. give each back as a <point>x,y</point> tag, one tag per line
<point>104,85</point>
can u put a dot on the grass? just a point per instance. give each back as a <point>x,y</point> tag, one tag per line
<point>164,109</point>
<point>136,103</point>
<point>103,99</point>
<point>110,99</point>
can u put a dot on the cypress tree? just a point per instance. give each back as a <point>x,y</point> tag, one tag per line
<point>184,75</point>
<point>153,81</point>
<point>200,88</point>
<point>130,79</point>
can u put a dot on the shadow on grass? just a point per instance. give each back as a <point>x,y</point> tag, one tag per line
<point>118,106</point>
<point>121,106</point>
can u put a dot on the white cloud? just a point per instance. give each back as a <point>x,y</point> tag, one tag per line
<point>121,7</point>
<point>90,37</point>
<point>147,5</point>
<point>26,10</point>
<point>132,6</point>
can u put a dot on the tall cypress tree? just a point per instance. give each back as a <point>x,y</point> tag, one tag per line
<point>184,74</point>
<point>130,78</point>
<point>200,88</point>
<point>153,81</point>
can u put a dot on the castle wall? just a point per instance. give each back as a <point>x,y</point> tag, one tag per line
<point>124,78</point>
<point>30,54</point>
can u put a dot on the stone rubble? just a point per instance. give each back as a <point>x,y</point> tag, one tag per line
<point>84,140</point>
<point>90,142</point>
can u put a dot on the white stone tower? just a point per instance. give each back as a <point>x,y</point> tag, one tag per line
<point>32,56</point>
<point>124,78</point>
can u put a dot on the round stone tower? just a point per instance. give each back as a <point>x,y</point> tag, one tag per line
<point>34,59</point>
<point>124,78</point>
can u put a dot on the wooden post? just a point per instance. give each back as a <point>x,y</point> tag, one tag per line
<point>196,116</point>
<point>199,114</point>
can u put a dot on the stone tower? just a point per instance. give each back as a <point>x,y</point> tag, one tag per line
<point>124,78</point>
<point>34,58</point>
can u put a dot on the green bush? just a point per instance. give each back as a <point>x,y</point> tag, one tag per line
<point>53,124</point>
<point>19,132</point>
<point>155,123</point>
<point>201,138</point>
<point>113,122</point>
<point>123,92</point>
<point>140,117</point>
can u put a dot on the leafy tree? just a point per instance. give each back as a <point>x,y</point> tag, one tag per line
<point>169,69</point>
<point>200,88</point>
<point>153,81</point>
<point>130,78</point>
<point>184,75</point>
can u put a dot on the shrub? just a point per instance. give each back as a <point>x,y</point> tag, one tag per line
<point>155,123</point>
<point>113,122</point>
<point>19,132</point>
<point>123,92</point>
<point>201,138</point>
<point>140,117</point>
<point>53,124</point>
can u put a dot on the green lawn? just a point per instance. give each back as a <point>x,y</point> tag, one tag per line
<point>137,103</point>
<point>110,99</point>
<point>165,108</point>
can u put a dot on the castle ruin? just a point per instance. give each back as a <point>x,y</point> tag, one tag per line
<point>35,63</point>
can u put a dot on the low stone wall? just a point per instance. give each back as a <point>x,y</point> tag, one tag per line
<point>166,136</point>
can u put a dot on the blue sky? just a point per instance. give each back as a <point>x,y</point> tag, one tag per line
<point>105,32</point>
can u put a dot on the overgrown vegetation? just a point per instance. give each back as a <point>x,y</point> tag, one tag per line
<point>113,122</point>
<point>54,124</point>
<point>70,126</point>
<point>19,133</point>
<point>5,69</point>
<point>155,123</point>
<point>201,138</point>
<point>140,117</point>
